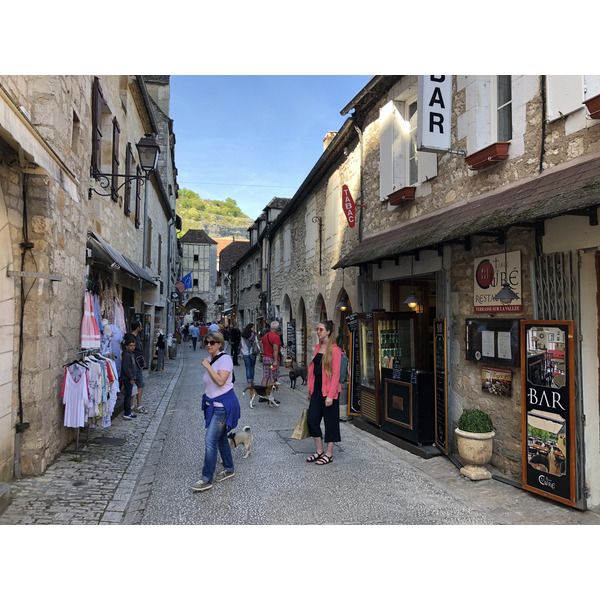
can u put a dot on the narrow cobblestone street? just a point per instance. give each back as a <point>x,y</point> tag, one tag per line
<point>139,472</point>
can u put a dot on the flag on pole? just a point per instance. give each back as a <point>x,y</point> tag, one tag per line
<point>187,281</point>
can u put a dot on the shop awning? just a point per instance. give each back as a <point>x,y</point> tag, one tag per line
<point>110,256</point>
<point>570,188</point>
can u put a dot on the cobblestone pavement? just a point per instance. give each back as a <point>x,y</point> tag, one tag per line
<point>138,472</point>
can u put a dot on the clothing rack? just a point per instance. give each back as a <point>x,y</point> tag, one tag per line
<point>78,450</point>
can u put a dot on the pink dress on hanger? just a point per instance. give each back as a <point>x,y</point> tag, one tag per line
<point>90,332</point>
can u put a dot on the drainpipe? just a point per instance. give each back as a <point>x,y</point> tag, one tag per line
<point>360,166</point>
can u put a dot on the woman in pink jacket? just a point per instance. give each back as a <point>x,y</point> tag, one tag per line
<point>323,394</point>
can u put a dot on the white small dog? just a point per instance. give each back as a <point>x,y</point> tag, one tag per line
<point>239,438</point>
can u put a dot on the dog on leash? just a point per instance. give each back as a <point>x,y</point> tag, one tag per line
<point>264,393</point>
<point>241,438</point>
<point>294,374</point>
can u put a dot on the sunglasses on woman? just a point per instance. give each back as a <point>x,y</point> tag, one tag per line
<point>210,342</point>
<point>321,329</point>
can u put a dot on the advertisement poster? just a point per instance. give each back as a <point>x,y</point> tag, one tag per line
<point>490,274</point>
<point>548,417</point>
<point>496,381</point>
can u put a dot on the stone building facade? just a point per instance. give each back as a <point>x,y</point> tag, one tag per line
<point>61,238</point>
<point>517,185</point>
<point>199,257</point>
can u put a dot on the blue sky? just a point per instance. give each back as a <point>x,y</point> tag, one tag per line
<point>254,137</point>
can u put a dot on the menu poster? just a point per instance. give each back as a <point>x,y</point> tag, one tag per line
<point>291,338</point>
<point>493,341</point>
<point>548,414</point>
<point>441,394</point>
<point>354,392</point>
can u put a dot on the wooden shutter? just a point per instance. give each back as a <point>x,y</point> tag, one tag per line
<point>97,101</point>
<point>386,140</point>
<point>138,199</point>
<point>115,160</point>
<point>149,243</point>
<point>129,184</point>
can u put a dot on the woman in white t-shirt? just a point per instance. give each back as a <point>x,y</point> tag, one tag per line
<point>221,411</point>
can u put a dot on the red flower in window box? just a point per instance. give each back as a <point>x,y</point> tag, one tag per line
<point>488,156</point>
<point>593,105</point>
<point>402,195</point>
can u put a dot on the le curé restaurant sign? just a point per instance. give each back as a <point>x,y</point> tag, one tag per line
<point>490,274</point>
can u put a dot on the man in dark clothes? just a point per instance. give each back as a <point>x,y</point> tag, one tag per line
<point>235,338</point>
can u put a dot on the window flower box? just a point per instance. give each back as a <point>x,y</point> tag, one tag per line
<point>402,195</point>
<point>487,156</point>
<point>593,105</point>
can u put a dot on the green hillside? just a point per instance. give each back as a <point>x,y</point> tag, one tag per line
<point>220,219</point>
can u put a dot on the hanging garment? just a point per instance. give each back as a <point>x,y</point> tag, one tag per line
<point>90,333</point>
<point>97,312</point>
<point>75,395</point>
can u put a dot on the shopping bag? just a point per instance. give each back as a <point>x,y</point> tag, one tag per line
<point>301,430</point>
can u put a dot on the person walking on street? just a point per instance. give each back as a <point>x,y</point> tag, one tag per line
<point>194,332</point>
<point>128,374</point>
<point>270,344</point>
<point>203,332</point>
<point>221,409</point>
<point>140,361</point>
<point>160,351</point>
<point>323,394</point>
<point>249,351</point>
<point>235,337</point>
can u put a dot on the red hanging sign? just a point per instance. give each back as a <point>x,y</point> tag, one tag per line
<point>348,206</point>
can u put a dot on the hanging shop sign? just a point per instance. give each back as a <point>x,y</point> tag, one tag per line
<point>548,414</point>
<point>491,273</point>
<point>348,206</point>
<point>434,106</point>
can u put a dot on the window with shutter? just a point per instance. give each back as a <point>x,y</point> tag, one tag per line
<point>400,164</point>
<point>138,198</point>
<point>149,243</point>
<point>129,184</point>
<point>115,160</point>
<point>97,101</point>
<point>159,268</point>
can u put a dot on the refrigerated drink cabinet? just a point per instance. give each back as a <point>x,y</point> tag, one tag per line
<point>394,393</point>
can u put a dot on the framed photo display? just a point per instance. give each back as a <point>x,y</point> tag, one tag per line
<point>548,413</point>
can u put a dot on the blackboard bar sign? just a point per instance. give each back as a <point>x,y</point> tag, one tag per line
<point>441,394</point>
<point>548,414</point>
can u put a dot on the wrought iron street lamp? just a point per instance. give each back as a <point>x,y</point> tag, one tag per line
<point>148,151</point>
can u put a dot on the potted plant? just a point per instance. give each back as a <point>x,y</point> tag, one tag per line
<point>475,437</point>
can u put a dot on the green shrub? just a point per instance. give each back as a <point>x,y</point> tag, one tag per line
<point>475,421</point>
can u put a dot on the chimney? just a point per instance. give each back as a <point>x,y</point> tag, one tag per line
<point>328,138</point>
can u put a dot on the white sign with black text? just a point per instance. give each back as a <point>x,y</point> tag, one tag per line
<point>434,108</point>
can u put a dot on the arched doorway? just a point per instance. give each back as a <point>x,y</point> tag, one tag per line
<point>342,333</point>
<point>197,310</point>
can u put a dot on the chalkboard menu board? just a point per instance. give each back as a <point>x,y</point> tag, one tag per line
<point>354,400</point>
<point>441,398</point>
<point>291,339</point>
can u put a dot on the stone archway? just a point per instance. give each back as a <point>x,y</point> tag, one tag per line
<point>7,327</point>
<point>197,308</point>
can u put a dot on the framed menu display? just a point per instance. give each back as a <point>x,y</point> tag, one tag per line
<point>548,413</point>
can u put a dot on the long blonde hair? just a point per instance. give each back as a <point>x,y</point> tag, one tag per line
<point>328,354</point>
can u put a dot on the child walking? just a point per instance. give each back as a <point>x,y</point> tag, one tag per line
<point>128,371</point>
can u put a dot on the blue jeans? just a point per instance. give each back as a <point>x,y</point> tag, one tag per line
<point>250,361</point>
<point>216,439</point>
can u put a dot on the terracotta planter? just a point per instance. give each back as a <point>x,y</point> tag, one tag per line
<point>488,156</point>
<point>476,451</point>
<point>593,105</point>
<point>402,195</point>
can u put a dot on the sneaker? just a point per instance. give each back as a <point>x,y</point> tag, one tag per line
<point>141,410</point>
<point>201,485</point>
<point>224,475</point>
<point>129,416</point>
